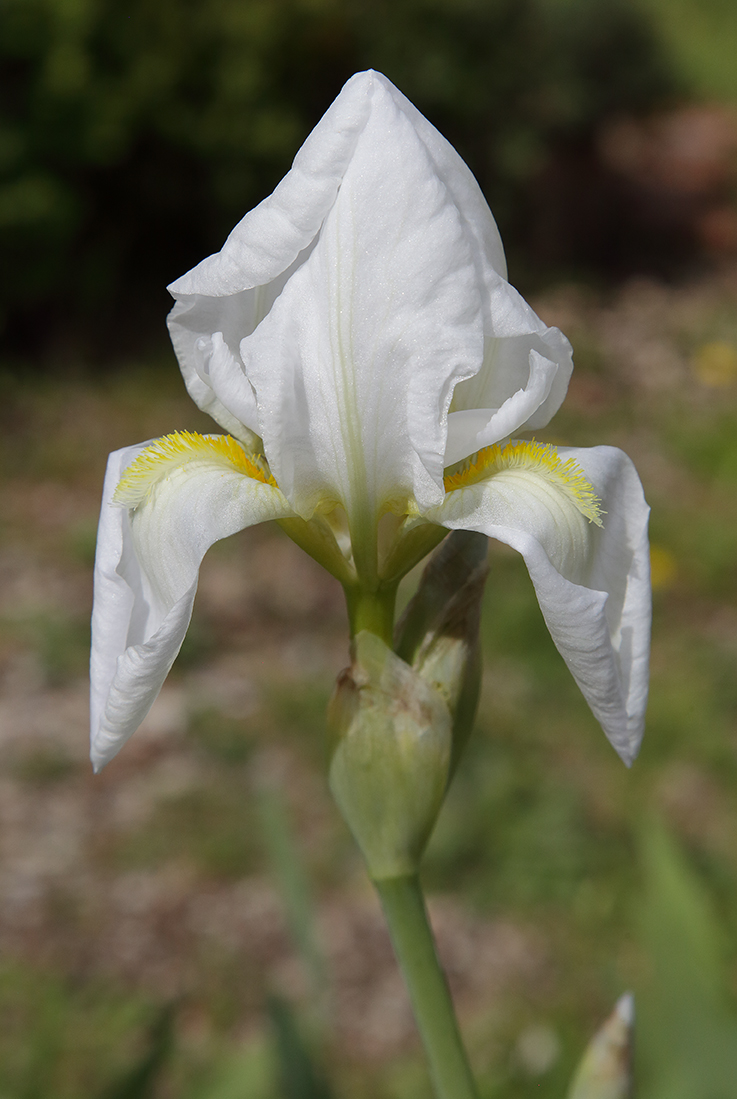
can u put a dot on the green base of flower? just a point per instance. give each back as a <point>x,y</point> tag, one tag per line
<point>372,611</point>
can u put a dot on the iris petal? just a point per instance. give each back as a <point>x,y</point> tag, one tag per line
<point>471,430</point>
<point>592,582</point>
<point>356,360</point>
<point>355,304</point>
<point>146,573</point>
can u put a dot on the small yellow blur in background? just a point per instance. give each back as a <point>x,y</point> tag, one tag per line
<point>715,364</point>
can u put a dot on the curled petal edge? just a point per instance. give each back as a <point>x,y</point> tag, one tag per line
<point>470,430</point>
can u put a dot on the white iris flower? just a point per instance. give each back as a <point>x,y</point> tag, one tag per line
<point>358,340</point>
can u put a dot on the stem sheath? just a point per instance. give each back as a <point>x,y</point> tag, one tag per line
<point>414,946</point>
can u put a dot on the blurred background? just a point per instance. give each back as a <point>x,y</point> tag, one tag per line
<point>195,923</point>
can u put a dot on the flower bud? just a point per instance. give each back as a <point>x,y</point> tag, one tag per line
<point>391,757</point>
<point>438,633</point>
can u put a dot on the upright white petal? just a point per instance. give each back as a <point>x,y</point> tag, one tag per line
<point>511,328</point>
<point>231,291</point>
<point>461,184</point>
<point>376,258</point>
<point>355,363</point>
<point>592,583</point>
<point>146,571</point>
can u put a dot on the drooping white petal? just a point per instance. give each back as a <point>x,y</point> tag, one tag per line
<point>146,571</point>
<point>592,583</point>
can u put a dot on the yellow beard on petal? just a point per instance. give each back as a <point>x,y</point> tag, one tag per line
<point>532,457</point>
<point>180,449</point>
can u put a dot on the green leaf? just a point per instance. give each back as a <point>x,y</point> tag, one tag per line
<point>298,1076</point>
<point>289,870</point>
<point>688,1035</point>
<point>139,1081</point>
<point>247,1074</point>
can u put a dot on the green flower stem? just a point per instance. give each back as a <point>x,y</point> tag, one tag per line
<point>414,945</point>
<point>372,610</point>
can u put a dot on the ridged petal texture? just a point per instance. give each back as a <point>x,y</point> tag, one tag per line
<point>347,311</point>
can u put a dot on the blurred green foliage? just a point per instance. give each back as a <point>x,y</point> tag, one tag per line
<point>62,1040</point>
<point>701,38</point>
<point>688,1028</point>
<point>140,1080</point>
<point>210,828</point>
<point>133,136</point>
<point>298,1076</point>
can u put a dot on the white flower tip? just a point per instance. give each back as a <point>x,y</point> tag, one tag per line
<point>627,743</point>
<point>629,754</point>
<point>365,78</point>
<point>98,758</point>
<point>624,1009</point>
